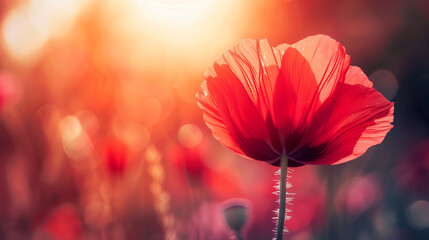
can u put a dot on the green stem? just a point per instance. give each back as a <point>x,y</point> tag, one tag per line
<point>238,235</point>
<point>282,197</point>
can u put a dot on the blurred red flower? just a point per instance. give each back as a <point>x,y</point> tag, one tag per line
<point>413,170</point>
<point>62,224</point>
<point>189,162</point>
<point>303,100</point>
<point>10,89</point>
<point>221,184</point>
<point>116,157</point>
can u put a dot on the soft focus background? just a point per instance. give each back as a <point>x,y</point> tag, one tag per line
<point>101,138</point>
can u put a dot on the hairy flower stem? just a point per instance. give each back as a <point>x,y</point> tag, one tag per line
<point>282,196</point>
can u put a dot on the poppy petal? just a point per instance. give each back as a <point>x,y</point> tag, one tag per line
<point>355,76</point>
<point>294,96</point>
<point>256,65</point>
<point>213,121</point>
<point>343,128</point>
<point>328,60</point>
<point>270,60</point>
<point>239,114</point>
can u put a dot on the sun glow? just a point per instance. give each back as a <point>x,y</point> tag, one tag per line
<point>175,13</point>
<point>168,30</point>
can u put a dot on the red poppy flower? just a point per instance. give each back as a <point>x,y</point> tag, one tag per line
<point>303,100</point>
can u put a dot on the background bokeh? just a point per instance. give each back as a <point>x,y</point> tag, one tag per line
<point>101,138</point>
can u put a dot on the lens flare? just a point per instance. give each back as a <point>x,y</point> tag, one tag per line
<point>190,135</point>
<point>28,27</point>
<point>77,145</point>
